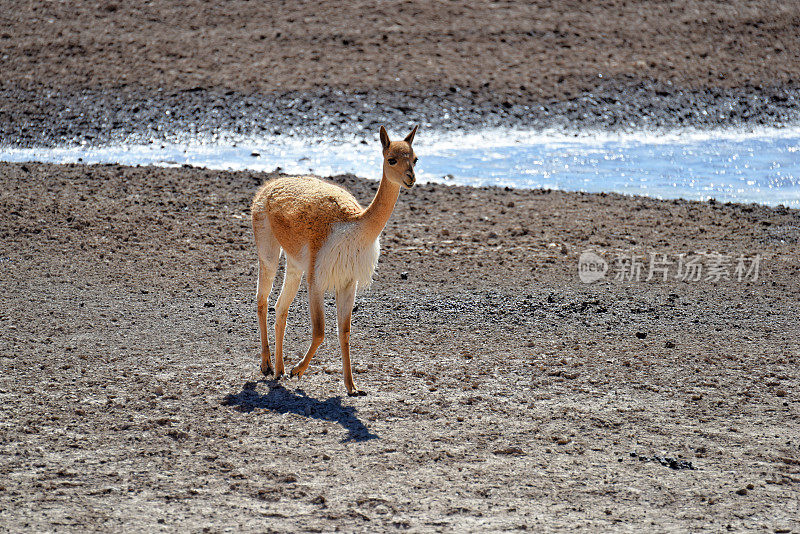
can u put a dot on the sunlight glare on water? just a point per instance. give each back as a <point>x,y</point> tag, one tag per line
<point>761,166</point>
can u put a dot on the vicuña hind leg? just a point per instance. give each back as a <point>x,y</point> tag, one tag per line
<point>268,255</point>
<point>316,304</point>
<point>291,282</point>
<point>265,277</point>
<point>344,312</point>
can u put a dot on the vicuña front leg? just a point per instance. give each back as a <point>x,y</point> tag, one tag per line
<point>316,301</point>
<point>344,312</point>
<point>291,282</point>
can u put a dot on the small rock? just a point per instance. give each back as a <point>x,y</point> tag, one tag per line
<point>781,393</point>
<point>641,335</point>
<point>255,154</point>
<point>404,276</point>
<point>742,491</point>
<point>515,451</point>
<point>159,390</point>
<point>177,434</point>
<point>669,345</point>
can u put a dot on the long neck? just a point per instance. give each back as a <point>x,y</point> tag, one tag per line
<point>377,213</point>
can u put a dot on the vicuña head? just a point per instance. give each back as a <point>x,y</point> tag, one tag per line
<point>326,235</point>
<point>399,159</point>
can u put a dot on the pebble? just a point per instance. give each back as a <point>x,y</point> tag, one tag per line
<point>666,461</point>
<point>512,451</point>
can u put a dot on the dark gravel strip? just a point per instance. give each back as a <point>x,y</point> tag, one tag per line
<point>48,118</point>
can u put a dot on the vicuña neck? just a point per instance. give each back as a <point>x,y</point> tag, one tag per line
<point>380,209</point>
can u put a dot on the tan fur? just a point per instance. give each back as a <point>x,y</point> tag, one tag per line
<point>326,234</point>
<point>301,209</point>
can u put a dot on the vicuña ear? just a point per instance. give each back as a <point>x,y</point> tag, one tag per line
<point>384,138</point>
<point>410,137</point>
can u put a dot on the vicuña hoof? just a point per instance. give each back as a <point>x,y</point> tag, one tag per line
<point>296,372</point>
<point>268,371</point>
<point>357,393</point>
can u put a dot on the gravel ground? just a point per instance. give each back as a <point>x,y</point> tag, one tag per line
<point>504,394</point>
<point>94,72</point>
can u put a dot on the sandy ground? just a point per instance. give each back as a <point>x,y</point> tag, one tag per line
<point>504,394</point>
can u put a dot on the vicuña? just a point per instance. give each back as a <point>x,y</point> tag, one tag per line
<point>323,232</point>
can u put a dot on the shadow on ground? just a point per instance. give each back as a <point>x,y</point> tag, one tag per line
<point>280,400</point>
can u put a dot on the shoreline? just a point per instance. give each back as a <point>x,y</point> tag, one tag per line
<point>354,155</point>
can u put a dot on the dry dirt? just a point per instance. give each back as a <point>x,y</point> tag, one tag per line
<point>518,49</point>
<point>504,394</point>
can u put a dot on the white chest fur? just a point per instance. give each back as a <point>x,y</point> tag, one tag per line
<point>344,258</point>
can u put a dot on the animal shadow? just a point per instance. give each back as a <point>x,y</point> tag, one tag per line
<point>281,400</point>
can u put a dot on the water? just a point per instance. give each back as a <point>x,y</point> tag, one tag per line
<point>759,166</point>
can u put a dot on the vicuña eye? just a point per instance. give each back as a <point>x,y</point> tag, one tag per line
<point>392,161</point>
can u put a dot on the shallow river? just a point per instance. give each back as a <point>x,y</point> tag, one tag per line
<point>760,166</point>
